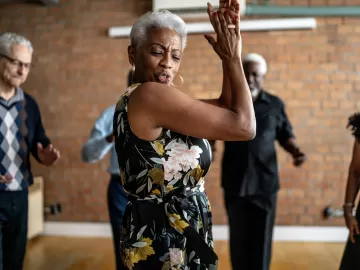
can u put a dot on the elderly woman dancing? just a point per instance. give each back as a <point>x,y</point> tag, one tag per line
<point>161,140</point>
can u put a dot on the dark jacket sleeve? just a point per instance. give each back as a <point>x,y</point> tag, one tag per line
<point>284,129</point>
<point>39,135</point>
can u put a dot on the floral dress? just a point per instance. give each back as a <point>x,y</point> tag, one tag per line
<point>167,222</point>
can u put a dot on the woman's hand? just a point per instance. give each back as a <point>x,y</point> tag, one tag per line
<point>231,6</point>
<point>226,23</point>
<point>352,225</point>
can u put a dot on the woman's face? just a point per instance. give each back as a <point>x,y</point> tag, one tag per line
<point>158,59</point>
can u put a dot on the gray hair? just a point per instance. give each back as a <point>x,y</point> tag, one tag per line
<point>157,19</point>
<point>7,40</point>
<point>258,59</point>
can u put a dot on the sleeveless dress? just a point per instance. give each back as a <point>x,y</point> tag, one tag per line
<point>350,259</point>
<point>167,223</point>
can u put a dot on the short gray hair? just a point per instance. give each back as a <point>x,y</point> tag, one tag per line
<point>7,40</point>
<point>157,19</point>
<point>258,59</point>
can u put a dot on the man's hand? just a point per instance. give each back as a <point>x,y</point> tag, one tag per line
<point>5,179</point>
<point>110,138</point>
<point>298,158</point>
<point>49,155</point>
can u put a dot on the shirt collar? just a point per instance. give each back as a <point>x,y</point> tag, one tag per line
<point>263,96</point>
<point>18,96</point>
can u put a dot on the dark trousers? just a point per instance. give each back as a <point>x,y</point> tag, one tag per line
<point>350,259</point>
<point>251,231</point>
<point>117,200</point>
<point>13,229</point>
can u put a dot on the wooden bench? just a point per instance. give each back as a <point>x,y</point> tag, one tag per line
<point>36,208</point>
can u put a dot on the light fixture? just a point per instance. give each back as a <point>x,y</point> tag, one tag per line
<point>246,26</point>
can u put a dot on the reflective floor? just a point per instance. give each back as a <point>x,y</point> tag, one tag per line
<point>61,253</point>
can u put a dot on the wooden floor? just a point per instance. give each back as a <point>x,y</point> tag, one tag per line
<point>61,253</point>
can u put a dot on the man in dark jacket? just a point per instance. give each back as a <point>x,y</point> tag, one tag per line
<point>250,174</point>
<point>21,134</point>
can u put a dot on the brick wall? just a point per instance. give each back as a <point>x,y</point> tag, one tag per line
<point>80,71</point>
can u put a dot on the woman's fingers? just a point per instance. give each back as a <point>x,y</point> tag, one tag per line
<point>210,11</point>
<point>223,23</point>
<point>222,4</point>
<point>217,24</point>
<point>230,22</point>
<point>237,26</point>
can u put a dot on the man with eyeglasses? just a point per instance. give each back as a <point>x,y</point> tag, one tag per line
<point>21,134</point>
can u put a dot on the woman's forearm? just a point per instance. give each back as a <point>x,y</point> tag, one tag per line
<point>224,99</point>
<point>240,93</point>
<point>352,188</point>
<point>241,100</point>
<point>225,96</point>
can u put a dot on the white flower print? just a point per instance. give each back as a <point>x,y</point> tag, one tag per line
<point>181,158</point>
<point>187,158</point>
<point>177,176</point>
<point>171,168</point>
<point>176,256</point>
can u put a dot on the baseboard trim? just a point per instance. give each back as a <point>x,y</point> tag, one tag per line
<point>281,233</point>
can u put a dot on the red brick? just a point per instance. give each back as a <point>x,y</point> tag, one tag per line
<point>318,2</point>
<point>287,219</point>
<point>306,220</point>
<point>301,2</point>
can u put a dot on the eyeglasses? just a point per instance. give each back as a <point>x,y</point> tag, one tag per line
<point>17,63</point>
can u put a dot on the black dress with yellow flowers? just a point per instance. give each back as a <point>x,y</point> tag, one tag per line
<point>167,222</point>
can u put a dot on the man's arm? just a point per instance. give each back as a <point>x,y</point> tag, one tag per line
<point>290,145</point>
<point>100,140</point>
<point>39,135</point>
<point>286,138</point>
